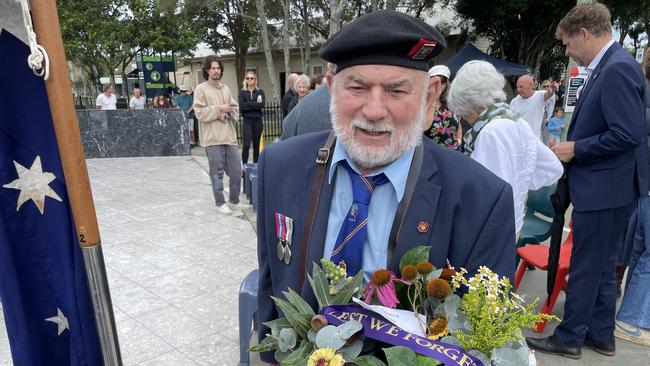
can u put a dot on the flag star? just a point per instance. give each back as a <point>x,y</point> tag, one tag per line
<point>11,20</point>
<point>60,320</point>
<point>33,184</point>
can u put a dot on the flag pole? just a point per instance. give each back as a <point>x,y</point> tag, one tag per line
<point>66,126</point>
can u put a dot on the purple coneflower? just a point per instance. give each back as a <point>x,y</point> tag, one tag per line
<point>383,281</point>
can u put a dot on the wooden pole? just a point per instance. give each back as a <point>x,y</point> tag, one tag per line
<point>66,126</point>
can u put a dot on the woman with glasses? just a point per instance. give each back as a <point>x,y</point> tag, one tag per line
<point>444,129</point>
<point>251,102</point>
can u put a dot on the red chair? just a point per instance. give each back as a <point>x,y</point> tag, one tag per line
<point>537,256</point>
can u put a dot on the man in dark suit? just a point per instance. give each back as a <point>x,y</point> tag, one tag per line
<point>380,93</point>
<point>289,95</point>
<point>606,161</point>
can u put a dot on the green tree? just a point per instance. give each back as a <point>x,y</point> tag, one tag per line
<point>520,31</point>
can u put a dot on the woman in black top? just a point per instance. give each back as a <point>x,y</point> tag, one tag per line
<point>251,102</point>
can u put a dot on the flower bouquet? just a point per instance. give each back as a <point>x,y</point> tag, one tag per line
<point>426,317</point>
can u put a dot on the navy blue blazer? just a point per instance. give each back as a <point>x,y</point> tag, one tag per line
<point>608,126</point>
<point>469,211</point>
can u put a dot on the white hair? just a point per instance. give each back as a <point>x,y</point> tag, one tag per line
<point>301,80</point>
<point>477,85</point>
<point>401,141</point>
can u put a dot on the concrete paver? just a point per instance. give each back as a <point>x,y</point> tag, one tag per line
<point>175,264</point>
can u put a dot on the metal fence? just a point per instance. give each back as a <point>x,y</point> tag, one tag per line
<point>272,119</point>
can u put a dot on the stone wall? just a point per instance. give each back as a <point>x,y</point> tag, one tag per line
<point>133,133</point>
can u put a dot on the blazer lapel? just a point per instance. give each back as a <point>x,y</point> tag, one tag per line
<point>591,81</point>
<point>420,216</point>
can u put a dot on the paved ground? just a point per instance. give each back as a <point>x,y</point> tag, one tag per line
<point>175,264</point>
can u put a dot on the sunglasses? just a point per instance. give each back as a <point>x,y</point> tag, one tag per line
<point>250,78</point>
<point>544,86</point>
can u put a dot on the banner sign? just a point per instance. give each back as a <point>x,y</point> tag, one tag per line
<point>377,327</point>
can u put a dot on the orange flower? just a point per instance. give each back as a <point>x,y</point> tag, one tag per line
<point>425,268</point>
<point>409,272</point>
<point>438,288</point>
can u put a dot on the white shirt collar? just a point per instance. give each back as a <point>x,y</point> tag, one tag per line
<point>594,63</point>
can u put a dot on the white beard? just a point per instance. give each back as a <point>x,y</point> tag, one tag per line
<point>369,157</point>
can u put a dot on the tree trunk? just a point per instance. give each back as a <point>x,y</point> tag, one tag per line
<point>373,5</point>
<point>285,38</point>
<point>391,4</point>
<point>267,50</point>
<point>336,8</point>
<point>306,38</point>
<point>240,65</point>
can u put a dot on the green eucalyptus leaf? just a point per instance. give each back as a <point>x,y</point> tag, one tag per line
<point>301,305</point>
<point>349,328</point>
<point>427,361</point>
<point>287,339</point>
<point>280,356</point>
<point>400,356</point>
<point>452,304</point>
<point>459,322</point>
<point>369,361</point>
<point>485,360</point>
<point>267,344</point>
<point>329,337</point>
<point>435,274</point>
<point>508,356</point>
<point>451,340</point>
<point>299,356</point>
<point>414,256</point>
<point>352,351</point>
<point>277,325</point>
<point>311,335</point>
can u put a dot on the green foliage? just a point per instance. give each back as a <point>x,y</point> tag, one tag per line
<point>368,361</point>
<point>414,256</point>
<point>495,315</point>
<point>400,356</point>
<point>299,356</point>
<point>320,285</point>
<point>335,337</point>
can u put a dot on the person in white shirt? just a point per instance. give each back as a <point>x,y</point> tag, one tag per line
<point>530,104</point>
<point>138,101</point>
<point>107,99</point>
<point>500,140</point>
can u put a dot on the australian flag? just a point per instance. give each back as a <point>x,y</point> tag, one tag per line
<point>43,287</point>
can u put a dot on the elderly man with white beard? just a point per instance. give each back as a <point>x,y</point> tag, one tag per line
<point>373,188</point>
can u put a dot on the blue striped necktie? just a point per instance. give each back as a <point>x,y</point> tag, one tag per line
<point>351,238</point>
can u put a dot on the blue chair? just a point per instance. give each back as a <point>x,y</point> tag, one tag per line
<point>253,189</point>
<point>536,229</point>
<point>248,168</point>
<point>247,313</point>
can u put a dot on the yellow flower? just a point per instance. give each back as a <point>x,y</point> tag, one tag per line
<point>438,329</point>
<point>325,357</point>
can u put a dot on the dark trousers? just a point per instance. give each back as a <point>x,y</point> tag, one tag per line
<point>252,131</point>
<point>590,304</point>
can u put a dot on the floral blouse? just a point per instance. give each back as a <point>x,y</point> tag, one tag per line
<point>444,129</point>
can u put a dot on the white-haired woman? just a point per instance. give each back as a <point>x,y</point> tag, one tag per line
<point>301,87</point>
<point>499,139</point>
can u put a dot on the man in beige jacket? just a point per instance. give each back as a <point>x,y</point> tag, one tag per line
<point>217,112</point>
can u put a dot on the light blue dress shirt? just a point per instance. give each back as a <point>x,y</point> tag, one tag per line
<point>381,211</point>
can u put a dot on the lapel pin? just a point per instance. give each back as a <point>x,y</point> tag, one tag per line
<point>423,227</point>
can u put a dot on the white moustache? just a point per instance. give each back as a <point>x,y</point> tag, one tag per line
<point>372,127</point>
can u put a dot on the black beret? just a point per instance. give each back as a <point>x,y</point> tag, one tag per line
<point>384,37</point>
